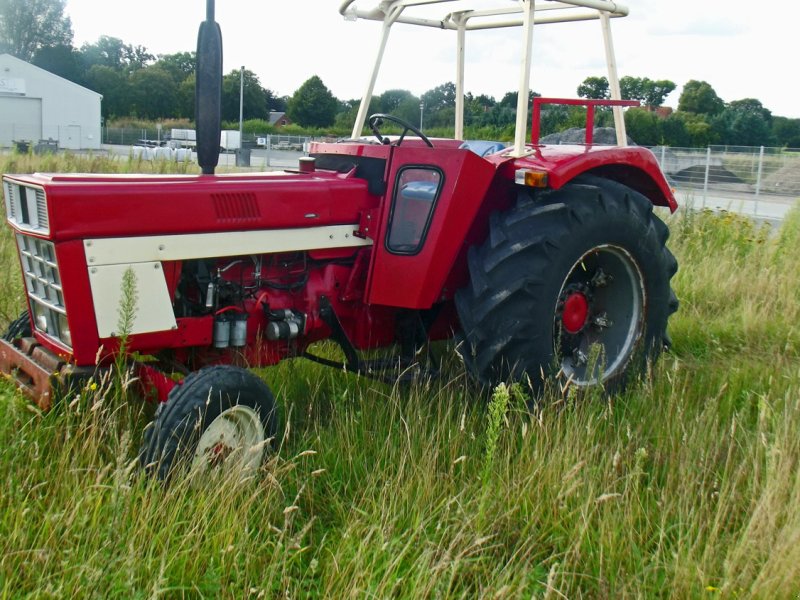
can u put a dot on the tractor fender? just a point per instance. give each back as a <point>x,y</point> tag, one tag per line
<point>633,166</point>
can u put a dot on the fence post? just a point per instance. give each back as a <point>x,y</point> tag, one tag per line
<point>758,178</point>
<point>705,180</point>
<point>269,147</point>
<point>663,156</point>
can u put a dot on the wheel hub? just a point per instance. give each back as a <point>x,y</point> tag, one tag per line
<point>234,439</point>
<point>575,312</point>
<point>599,316</point>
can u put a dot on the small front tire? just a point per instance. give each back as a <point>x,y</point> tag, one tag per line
<point>220,417</point>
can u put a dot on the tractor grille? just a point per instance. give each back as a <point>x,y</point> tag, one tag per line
<point>43,284</point>
<point>26,207</point>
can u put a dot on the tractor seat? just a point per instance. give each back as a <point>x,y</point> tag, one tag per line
<point>483,147</point>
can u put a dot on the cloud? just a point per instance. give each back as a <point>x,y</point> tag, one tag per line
<point>700,27</point>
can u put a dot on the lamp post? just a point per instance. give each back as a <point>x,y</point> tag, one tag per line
<point>421,113</point>
<point>241,103</point>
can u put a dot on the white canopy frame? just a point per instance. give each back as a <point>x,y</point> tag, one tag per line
<point>473,15</point>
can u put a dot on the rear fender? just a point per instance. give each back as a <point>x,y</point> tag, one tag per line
<point>633,166</point>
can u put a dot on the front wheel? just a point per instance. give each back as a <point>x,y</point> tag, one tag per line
<point>220,417</point>
<point>572,284</point>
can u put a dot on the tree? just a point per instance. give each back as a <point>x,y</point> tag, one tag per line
<point>645,90</point>
<point>28,25</point>
<point>391,99</point>
<point>313,105</point>
<point>441,97</point>
<point>63,61</point>
<point>255,97</point>
<point>657,91</point>
<point>113,52</point>
<point>154,93</point>
<point>642,126</point>
<point>744,123</point>
<point>180,65</point>
<point>594,88</point>
<point>185,98</point>
<point>786,132</point>
<point>114,87</point>
<point>700,98</point>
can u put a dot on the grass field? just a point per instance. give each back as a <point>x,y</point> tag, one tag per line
<point>687,486</point>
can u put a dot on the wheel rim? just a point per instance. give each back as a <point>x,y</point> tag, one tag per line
<point>234,440</point>
<point>599,315</point>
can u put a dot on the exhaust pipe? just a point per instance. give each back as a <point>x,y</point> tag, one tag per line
<point>208,92</point>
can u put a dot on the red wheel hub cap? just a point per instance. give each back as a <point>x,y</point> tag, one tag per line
<point>576,312</point>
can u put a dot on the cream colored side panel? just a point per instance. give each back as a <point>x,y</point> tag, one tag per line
<point>114,251</point>
<point>153,305</point>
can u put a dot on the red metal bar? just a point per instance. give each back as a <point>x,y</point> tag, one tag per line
<point>589,104</point>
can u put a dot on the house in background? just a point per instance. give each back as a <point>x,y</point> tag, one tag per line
<point>278,119</point>
<point>38,105</point>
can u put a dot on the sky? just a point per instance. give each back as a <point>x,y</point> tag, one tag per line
<point>741,50</point>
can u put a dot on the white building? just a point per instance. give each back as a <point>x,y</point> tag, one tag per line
<point>38,105</point>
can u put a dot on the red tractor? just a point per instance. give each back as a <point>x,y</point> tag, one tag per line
<point>542,261</point>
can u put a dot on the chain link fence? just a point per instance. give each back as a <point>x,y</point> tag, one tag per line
<point>762,182</point>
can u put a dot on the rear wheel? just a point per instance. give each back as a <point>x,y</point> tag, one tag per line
<point>572,284</point>
<point>219,418</point>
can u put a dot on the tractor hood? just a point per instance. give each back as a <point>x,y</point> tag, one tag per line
<point>91,206</point>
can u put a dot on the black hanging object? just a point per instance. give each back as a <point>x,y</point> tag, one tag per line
<point>208,91</point>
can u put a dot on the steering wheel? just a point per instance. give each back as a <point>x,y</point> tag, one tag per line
<point>376,120</point>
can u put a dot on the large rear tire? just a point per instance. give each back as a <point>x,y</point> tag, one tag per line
<point>219,417</point>
<point>573,284</point>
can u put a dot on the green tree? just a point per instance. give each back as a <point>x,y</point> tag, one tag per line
<point>113,52</point>
<point>786,132</point>
<point>441,97</point>
<point>645,90</point>
<point>744,123</point>
<point>313,104</point>
<point>699,130</point>
<point>185,98</point>
<point>391,99</point>
<point>154,93</point>
<point>63,61</point>
<point>255,96</point>
<point>28,25</point>
<point>114,86</point>
<point>699,97</point>
<point>180,65</point>
<point>656,92</point>
<point>642,126</point>
<point>594,88</point>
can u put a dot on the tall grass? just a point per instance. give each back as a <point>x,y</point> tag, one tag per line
<point>688,485</point>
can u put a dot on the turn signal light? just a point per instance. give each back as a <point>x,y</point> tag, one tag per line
<point>530,178</point>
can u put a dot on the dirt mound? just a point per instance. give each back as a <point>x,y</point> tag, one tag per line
<point>603,136</point>
<point>696,175</point>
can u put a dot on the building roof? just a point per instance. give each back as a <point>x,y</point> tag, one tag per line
<point>275,116</point>
<point>9,58</point>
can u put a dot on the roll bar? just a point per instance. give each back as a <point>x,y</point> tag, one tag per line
<point>474,15</point>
